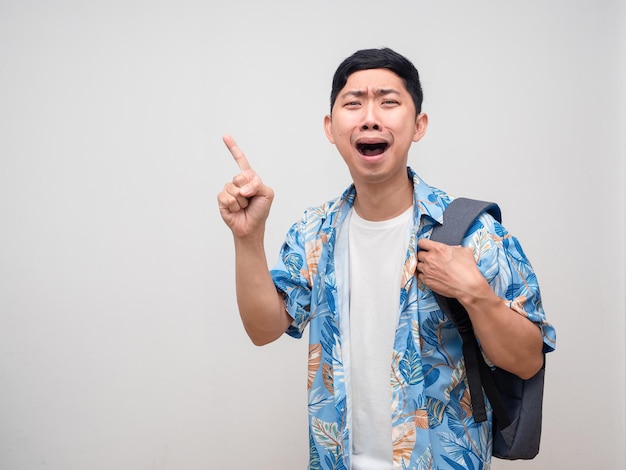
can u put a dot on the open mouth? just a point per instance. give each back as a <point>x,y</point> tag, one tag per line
<point>372,149</point>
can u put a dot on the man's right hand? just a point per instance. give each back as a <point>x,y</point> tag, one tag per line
<point>245,202</point>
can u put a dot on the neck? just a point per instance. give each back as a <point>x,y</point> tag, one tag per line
<point>383,203</point>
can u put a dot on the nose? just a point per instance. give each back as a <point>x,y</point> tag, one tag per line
<point>370,119</point>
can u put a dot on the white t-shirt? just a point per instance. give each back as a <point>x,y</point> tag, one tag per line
<point>377,253</point>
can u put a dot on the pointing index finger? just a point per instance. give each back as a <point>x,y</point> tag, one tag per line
<point>236,152</point>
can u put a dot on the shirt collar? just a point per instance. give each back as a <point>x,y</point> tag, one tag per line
<point>427,201</point>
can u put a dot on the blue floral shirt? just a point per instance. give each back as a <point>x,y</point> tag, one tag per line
<point>432,423</point>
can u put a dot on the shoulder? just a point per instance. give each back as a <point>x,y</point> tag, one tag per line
<point>326,216</point>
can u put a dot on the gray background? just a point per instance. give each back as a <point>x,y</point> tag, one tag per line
<point>120,343</point>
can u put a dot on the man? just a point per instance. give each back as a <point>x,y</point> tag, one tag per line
<point>386,379</point>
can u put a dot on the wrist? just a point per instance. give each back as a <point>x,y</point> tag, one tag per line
<point>480,298</point>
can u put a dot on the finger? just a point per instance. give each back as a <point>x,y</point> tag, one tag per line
<point>241,180</point>
<point>226,203</point>
<point>236,152</point>
<point>425,244</point>
<point>249,184</point>
<point>231,201</point>
<point>234,190</point>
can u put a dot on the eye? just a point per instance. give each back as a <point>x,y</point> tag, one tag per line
<point>352,104</point>
<point>390,102</point>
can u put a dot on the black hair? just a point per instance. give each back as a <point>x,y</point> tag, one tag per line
<point>383,58</point>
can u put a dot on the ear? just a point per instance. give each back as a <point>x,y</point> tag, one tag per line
<point>328,123</point>
<point>421,124</point>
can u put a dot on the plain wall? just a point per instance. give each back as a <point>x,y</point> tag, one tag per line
<point>120,342</point>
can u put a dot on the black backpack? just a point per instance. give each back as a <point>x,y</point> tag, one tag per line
<point>516,403</point>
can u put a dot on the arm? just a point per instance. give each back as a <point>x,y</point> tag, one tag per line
<point>508,339</point>
<point>244,205</point>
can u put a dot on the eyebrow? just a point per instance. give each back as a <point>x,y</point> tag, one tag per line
<point>377,92</point>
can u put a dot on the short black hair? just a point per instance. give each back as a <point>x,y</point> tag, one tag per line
<point>384,58</point>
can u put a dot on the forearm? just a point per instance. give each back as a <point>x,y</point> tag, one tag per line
<point>508,339</point>
<point>261,307</point>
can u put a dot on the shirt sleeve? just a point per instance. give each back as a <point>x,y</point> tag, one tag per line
<point>504,264</point>
<point>291,278</point>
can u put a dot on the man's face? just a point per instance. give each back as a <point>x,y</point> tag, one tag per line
<point>373,124</point>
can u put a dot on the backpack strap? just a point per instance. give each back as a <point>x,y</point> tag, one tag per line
<point>457,219</point>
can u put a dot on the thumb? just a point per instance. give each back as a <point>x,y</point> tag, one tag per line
<point>253,186</point>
